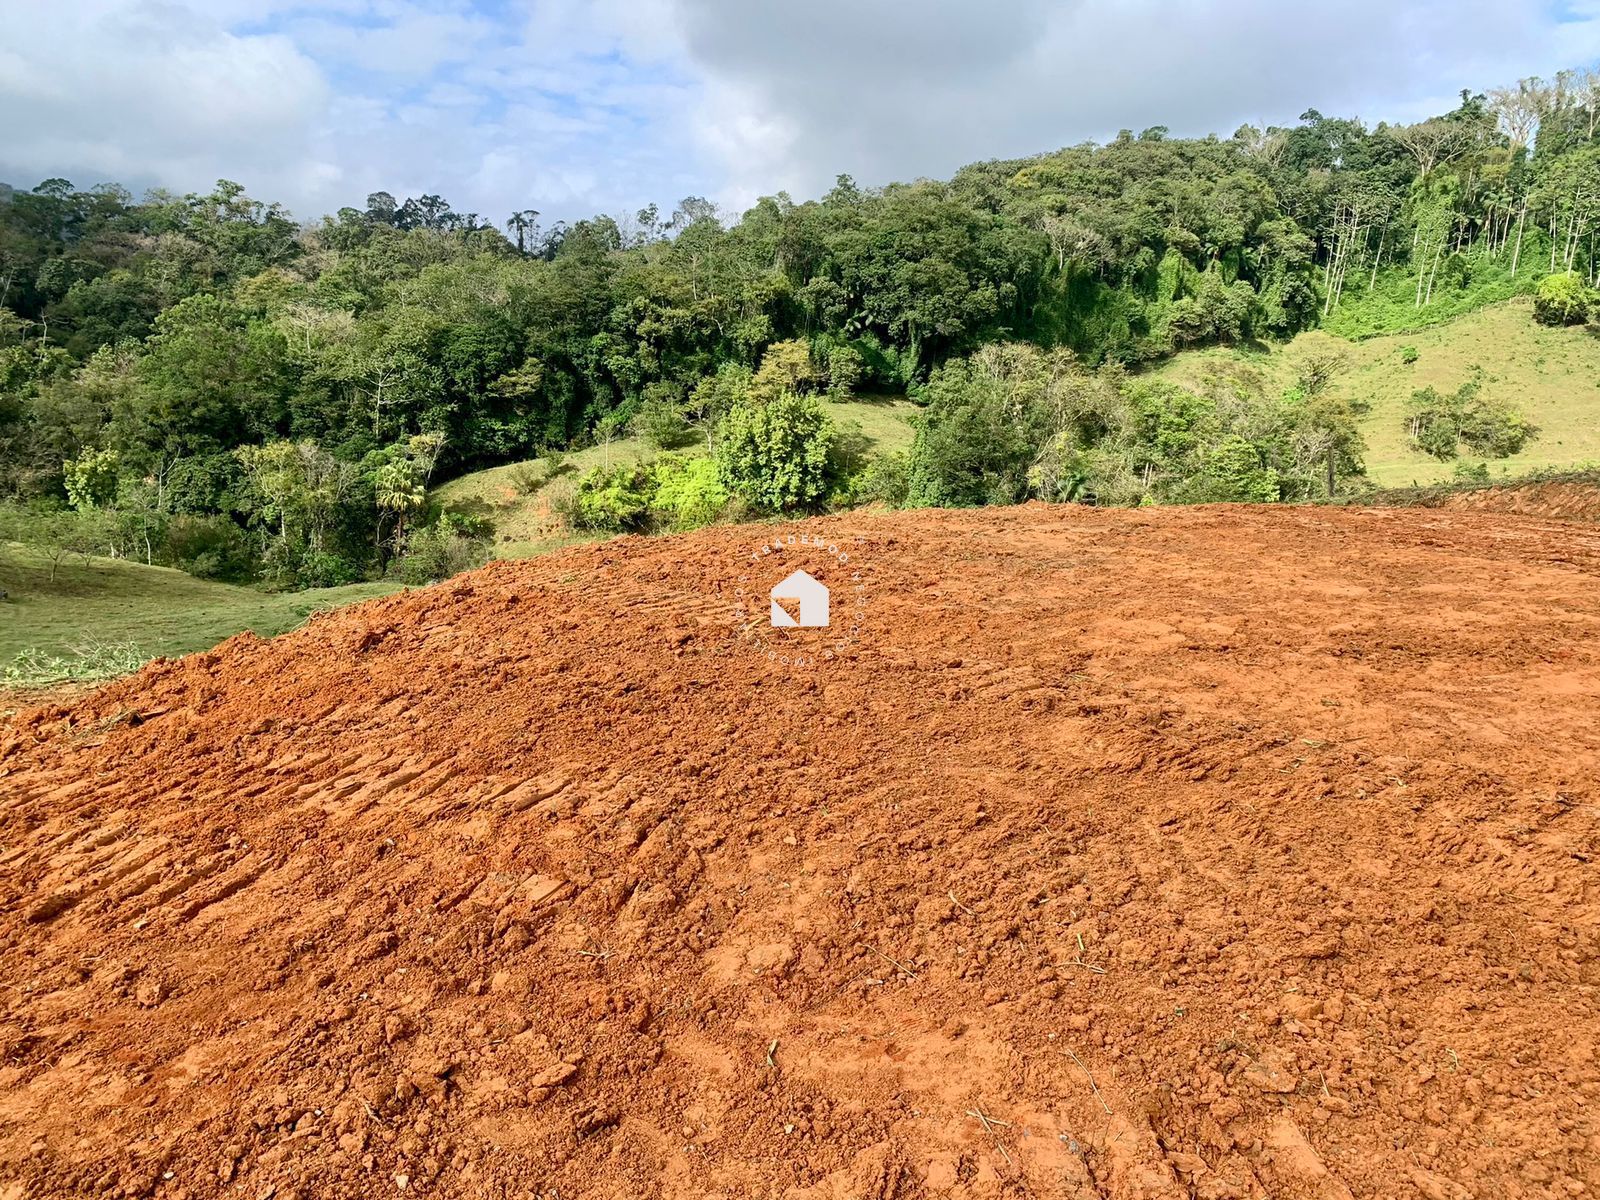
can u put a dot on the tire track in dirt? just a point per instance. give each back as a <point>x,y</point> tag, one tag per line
<point>1211,852</point>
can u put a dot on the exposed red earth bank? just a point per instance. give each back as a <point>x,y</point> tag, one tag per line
<point>1214,852</point>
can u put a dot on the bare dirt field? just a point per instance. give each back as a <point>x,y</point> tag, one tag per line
<point>1219,852</point>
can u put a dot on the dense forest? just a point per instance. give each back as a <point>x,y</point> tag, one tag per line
<point>206,382</point>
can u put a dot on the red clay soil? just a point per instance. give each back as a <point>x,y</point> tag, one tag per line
<point>1212,852</point>
<point>1569,500</point>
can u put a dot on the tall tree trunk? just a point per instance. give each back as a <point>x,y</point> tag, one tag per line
<point>1516,254</point>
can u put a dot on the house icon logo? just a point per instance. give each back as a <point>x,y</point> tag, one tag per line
<point>805,592</point>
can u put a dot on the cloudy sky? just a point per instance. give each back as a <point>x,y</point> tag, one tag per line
<point>581,106</point>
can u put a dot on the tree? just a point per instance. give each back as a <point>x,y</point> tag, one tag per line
<point>91,479</point>
<point>58,535</point>
<point>399,492</point>
<point>785,367</point>
<point>660,420</point>
<point>1439,423</point>
<point>524,223</point>
<point>1562,300</point>
<point>381,208</point>
<point>1517,110</point>
<point>1437,141</point>
<point>299,492</point>
<point>775,453</point>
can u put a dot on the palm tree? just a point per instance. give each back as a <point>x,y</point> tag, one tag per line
<point>524,223</point>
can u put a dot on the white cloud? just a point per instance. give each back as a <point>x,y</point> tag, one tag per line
<point>152,90</point>
<point>407,40</point>
<point>886,89</point>
<point>578,106</point>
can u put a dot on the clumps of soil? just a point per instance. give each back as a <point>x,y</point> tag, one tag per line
<point>1566,500</point>
<point>1222,852</point>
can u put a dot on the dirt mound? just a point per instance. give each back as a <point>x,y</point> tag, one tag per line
<point>1212,852</point>
<point>1564,499</point>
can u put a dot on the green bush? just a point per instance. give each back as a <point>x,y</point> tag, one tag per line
<point>886,480</point>
<point>468,526</point>
<point>1409,354</point>
<point>688,492</point>
<point>1495,429</point>
<point>438,552</point>
<point>660,420</point>
<point>987,418</point>
<point>209,547</point>
<point>320,569</point>
<point>1232,470</point>
<point>845,368</point>
<point>1434,423</point>
<point>775,454</point>
<point>1562,300</point>
<point>614,499</point>
<point>1440,424</point>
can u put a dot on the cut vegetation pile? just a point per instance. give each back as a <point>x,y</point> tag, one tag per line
<point>1212,852</point>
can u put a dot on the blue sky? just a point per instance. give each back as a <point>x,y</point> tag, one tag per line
<point>581,106</point>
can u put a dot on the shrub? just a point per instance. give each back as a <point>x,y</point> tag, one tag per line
<point>209,547</point>
<point>845,368</point>
<point>660,421</point>
<point>320,569</point>
<point>978,437</point>
<point>1434,423</point>
<point>613,499</point>
<point>1495,429</point>
<point>1409,354</point>
<point>688,492</point>
<point>775,454</point>
<point>714,396</point>
<point>1440,424</point>
<point>1562,300</point>
<point>527,478</point>
<point>438,552</point>
<point>466,525</point>
<point>886,480</point>
<point>1231,469</point>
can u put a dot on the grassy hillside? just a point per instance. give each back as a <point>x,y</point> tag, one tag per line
<point>521,515</point>
<point>103,616</point>
<point>1552,375</point>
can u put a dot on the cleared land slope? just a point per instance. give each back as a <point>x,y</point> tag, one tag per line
<point>1161,853</point>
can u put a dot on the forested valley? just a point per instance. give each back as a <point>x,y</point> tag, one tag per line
<point>205,382</point>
